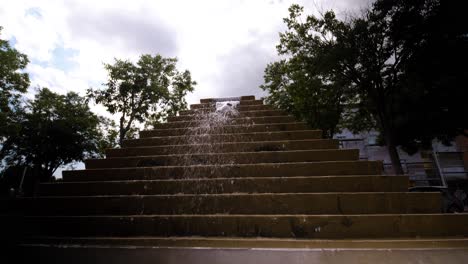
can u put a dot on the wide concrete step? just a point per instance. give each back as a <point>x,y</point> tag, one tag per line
<point>225,147</point>
<point>224,99</point>
<point>239,107</point>
<point>217,128</point>
<point>250,102</point>
<point>371,183</point>
<point>266,203</point>
<point>201,250</point>
<point>241,103</point>
<point>222,138</point>
<point>232,171</point>
<point>407,244</point>
<point>225,158</point>
<point>280,226</point>
<point>207,121</point>
<point>260,113</point>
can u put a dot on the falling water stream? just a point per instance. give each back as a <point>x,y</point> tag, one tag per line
<point>201,137</point>
<point>203,145</point>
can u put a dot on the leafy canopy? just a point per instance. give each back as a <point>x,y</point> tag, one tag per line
<point>393,69</point>
<point>306,82</point>
<point>151,89</point>
<point>431,40</point>
<point>55,130</point>
<point>13,82</point>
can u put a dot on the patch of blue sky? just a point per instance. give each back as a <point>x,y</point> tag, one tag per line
<point>63,58</point>
<point>34,12</point>
<point>12,41</point>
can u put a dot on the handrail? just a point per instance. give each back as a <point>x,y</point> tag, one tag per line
<point>439,168</point>
<point>20,187</point>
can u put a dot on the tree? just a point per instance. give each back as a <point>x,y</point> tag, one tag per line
<point>370,63</point>
<point>55,130</point>
<point>108,136</point>
<point>13,82</point>
<point>149,89</point>
<point>433,37</point>
<point>305,83</point>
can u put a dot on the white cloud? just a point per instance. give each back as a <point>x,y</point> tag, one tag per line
<point>225,44</point>
<point>56,79</point>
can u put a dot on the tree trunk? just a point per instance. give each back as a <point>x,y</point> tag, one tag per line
<point>392,151</point>
<point>395,159</point>
<point>122,133</point>
<point>391,146</point>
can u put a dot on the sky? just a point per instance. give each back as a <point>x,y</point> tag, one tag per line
<point>226,45</point>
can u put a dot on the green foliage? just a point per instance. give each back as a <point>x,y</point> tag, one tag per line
<point>108,136</point>
<point>306,82</point>
<point>54,130</point>
<point>13,82</point>
<point>392,69</point>
<point>433,41</point>
<point>148,90</point>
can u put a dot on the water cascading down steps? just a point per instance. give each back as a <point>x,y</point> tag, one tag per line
<point>233,174</point>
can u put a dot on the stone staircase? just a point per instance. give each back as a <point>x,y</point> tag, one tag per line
<point>252,178</point>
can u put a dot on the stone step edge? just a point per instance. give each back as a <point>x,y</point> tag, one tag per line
<point>231,143</point>
<point>241,158</point>
<point>317,134</point>
<point>208,106</point>
<point>253,118</point>
<point>192,131</point>
<point>243,165</point>
<point>223,126</point>
<point>240,122</point>
<point>250,103</point>
<point>223,179</point>
<point>228,194</point>
<point>237,117</point>
<point>241,115</point>
<point>241,103</point>
<point>242,134</point>
<point>227,165</point>
<point>230,98</point>
<point>361,167</point>
<point>241,111</point>
<point>238,215</point>
<point>240,108</point>
<point>250,243</point>
<point>372,183</point>
<point>226,179</point>
<point>230,153</point>
<point>219,204</point>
